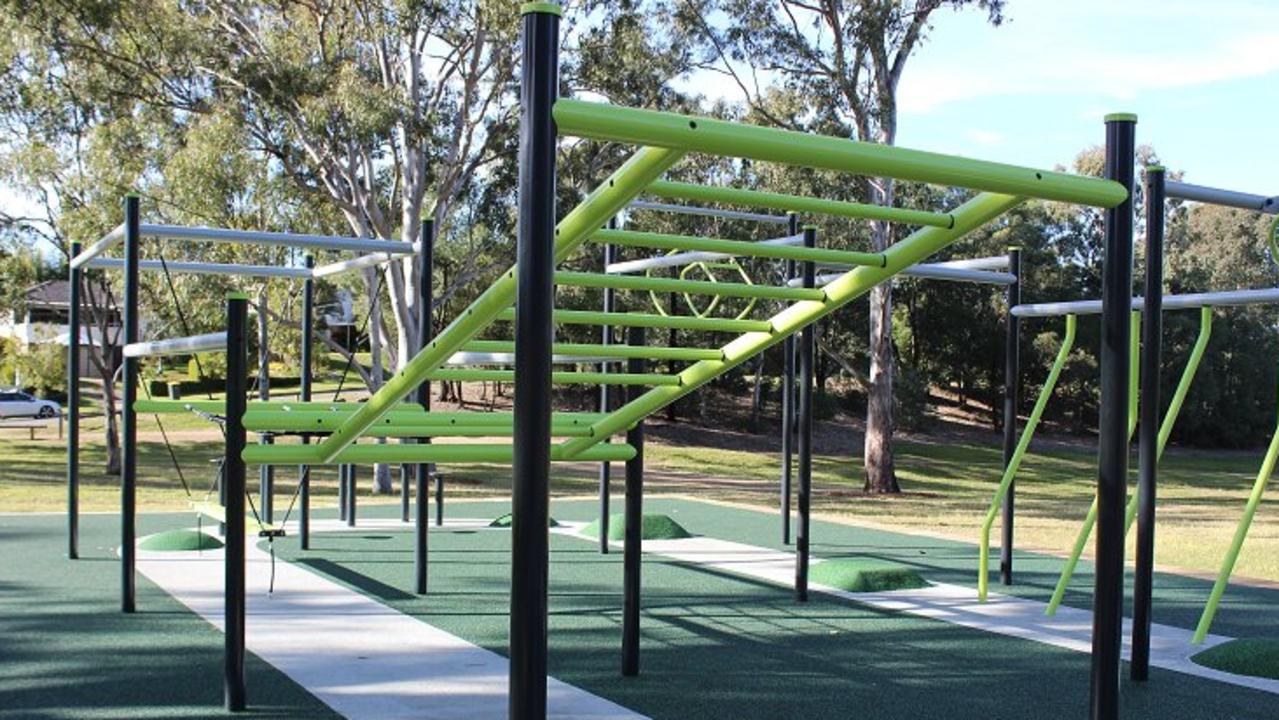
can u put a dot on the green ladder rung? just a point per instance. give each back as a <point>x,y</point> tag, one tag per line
<point>217,512</point>
<point>402,427</point>
<point>691,287</point>
<point>457,453</point>
<point>680,322</point>
<point>559,378</point>
<point>737,248</point>
<point>796,203</point>
<point>691,354</point>
<point>216,406</point>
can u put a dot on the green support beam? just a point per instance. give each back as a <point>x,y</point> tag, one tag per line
<point>679,322</point>
<point>795,203</point>
<point>850,286</point>
<point>691,354</point>
<point>689,287</point>
<point>452,454</point>
<point>598,121</point>
<point>737,248</point>
<point>559,378</point>
<point>257,420</point>
<point>161,407</point>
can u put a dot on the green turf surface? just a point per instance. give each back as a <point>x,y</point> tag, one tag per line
<point>862,576</point>
<point>504,521</point>
<point>179,540</point>
<point>654,526</point>
<point>1258,657</point>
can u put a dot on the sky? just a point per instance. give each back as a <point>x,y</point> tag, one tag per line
<point>1201,75</point>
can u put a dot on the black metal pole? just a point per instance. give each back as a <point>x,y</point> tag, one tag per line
<point>266,473</point>
<point>129,419</point>
<point>632,553</point>
<point>1012,380</point>
<point>439,496</point>
<point>426,260</point>
<point>73,412</point>
<point>1112,438</point>
<point>304,394</point>
<point>1148,448</point>
<point>343,472</point>
<point>351,472</point>
<point>788,404</point>
<point>606,338</point>
<point>534,333</point>
<point>237,319</point>
<point>805,444</point>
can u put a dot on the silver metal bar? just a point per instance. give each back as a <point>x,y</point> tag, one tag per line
<point>298,240</point>
<point>994,262</point>
<point>1228,198</point>
<point>363,261</point>
<point>177,346</point>
<point>102,245</point>
<point>1227,298</point>
<point>466,358</point>
<point>687,258</point>
<point>196,268</point>
<point>709,212</point>
<point>931,271</point>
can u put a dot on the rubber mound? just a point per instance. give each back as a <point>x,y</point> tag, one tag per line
<point>504,521</point>
<point>1258,657</point>
<point>654,527</point>
<point>857,575</point>
<point>179,540</point>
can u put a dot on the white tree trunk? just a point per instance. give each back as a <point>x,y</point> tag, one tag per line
<point>881,473</point>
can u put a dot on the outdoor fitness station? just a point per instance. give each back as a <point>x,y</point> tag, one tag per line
<point>814,282</point>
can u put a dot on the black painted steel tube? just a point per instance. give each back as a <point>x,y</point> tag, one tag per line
<point>343,472</point>
<point>606,338</point>
<point>351,493</point>
<point>304,394</point>
<point>129,419</point>
<point>1148,442</point>
<point>422,471</point>
<point>788,404</point>
<point>633,538</point>
<point>534,333</point>
<point>1012,381</point>
<point>1113,431</point>
<point>234,481</point>
<point>73,411</point>
<point>805,444</point>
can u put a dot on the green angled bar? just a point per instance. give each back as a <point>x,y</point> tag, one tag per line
<point>458,453</point>
<point>796,203</point>
<point>691,287</point>
<point>679,322</point>
<point>559,378</point>
<point>598,121</point>
<point>850,286</point>
<point>595,210</point>
<point>598,350</point>
<point>737,248</point>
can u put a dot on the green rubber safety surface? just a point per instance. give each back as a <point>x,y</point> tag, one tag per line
<point>504,521</point>
<point>655,526</point>
<point>179,541</point>
<point>1258,657</point>
<point>864,576</point>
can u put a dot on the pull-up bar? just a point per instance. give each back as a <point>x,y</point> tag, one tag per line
<point>688,258</point>
<point>1227,198</point>
<point>955,270</point>
<point>103,244</point>
<point>1228,298</point>
<point>196,268</point>
<point>177,346</point>
<point>709,212</point>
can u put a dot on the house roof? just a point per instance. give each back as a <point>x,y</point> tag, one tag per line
<point>55,293</point>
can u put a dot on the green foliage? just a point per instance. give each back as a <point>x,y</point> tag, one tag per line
<point>910,390</point>
<point>42,369</point>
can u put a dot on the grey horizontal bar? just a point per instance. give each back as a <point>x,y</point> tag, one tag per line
<point>954,270</point>
<point>686,258</point>
<point>465,358</point>
<point>1227,298</point>
<point>709,212</point>
<point>195,268</point>
<point>177,346</point>
<point>1227,198</point>
<point>298,240</point>
<point>102,245</point>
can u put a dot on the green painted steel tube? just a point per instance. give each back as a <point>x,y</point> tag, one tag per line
<point>795,203</point>
<point>322,421</point>
<point>457,453</point>
<point>1081,540</point>
<point>595,210</point>
<point>680,322</point>
<point>848,287</point>
<point>1014,462</point>
<point>599,350</point>
<point>1236,543</point>
<point>690,287</point>
<point>737,248</point>
<point>156,407</point>
<point>598,121</point>
<point>559,378</point>
<point>398,430</point>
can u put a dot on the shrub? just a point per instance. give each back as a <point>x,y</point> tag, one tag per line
<point>911,395</point>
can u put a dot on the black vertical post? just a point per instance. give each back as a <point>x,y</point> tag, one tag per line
<point>234,480</point>
<point>129,419</point>
<point>1112,460</point>
<point>1148,448</point>
<point>343,472</point>
<point>788,403</point>
<point>73,412</point>
<point>805,444</point>
<point>351,471</point>
<point>304,394</point>
<point>426,292</point>
<point>266,472</point>
<point>1012,380</point>
<point>606,338</point>
<point>534,333</point>
<point>439,496</point>
<point>632,552</point>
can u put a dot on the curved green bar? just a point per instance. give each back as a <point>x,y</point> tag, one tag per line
<point>983,562</point>
<point>557,377</point>
<point>1081,540</point>
<point>437,453</point>
<point>598,121</point>
<point>737,248</point>
<point>689,287</point>
<point>796,203</point>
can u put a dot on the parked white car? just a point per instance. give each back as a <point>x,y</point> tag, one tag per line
<point>20,404</point>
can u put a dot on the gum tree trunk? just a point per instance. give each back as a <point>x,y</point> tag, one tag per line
<point>881,471</point>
